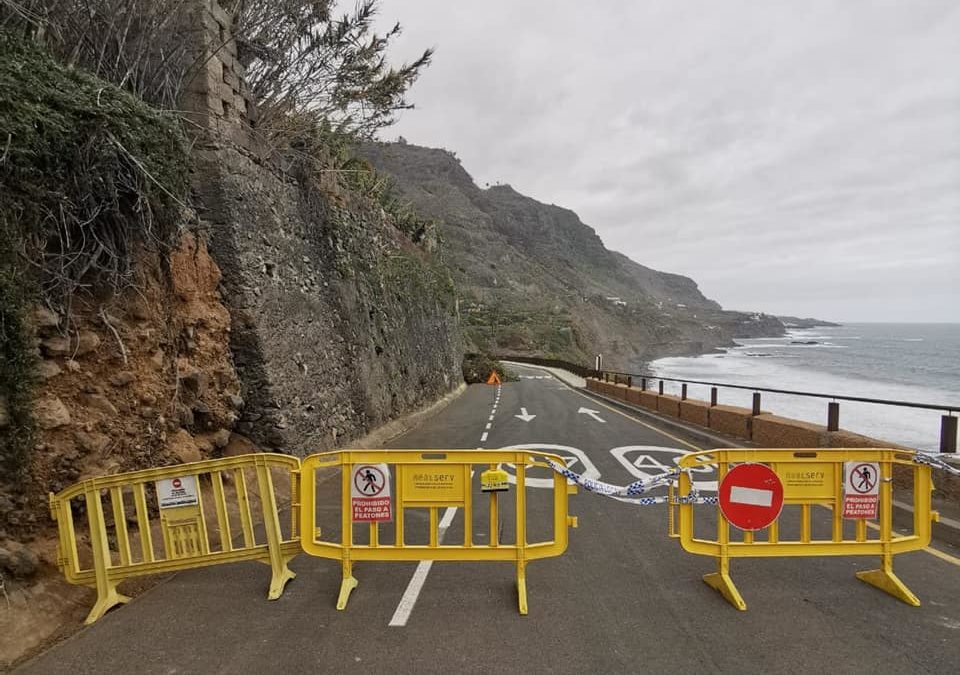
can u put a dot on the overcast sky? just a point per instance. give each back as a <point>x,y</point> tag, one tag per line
<point>795,157</point>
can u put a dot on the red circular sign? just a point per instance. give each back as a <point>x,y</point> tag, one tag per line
<point>369,480</point>
<point>177,483</point>
<point>751,496</point>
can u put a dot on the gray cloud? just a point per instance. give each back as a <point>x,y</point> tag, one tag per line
<point>798,158</point>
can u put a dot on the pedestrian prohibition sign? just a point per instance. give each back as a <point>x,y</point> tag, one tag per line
<point>370,494</point>
<point>751,496</point>
<point>861,489</point>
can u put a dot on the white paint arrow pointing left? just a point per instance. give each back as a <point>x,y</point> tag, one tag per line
<point>593,413</point>
<point>525,416</point>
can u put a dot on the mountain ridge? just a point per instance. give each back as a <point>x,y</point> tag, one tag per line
<point>535,280</point>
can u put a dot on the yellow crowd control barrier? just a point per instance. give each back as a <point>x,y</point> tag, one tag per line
<point>169,501</point>
<point>809,478</point>
<point>397,486</point>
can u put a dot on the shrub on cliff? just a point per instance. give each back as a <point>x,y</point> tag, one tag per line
<point>87,171</point>
<point>302,60</point>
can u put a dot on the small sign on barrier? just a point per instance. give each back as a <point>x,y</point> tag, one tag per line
<point>494,480</point>
<point>861,489</point>
<point>808,481</point>
<point>441,484</point>
<point>179,491</point>
<point>370,494</point>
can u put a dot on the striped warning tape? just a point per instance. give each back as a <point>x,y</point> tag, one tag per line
<point>936,462</point>
<point>635,489</point>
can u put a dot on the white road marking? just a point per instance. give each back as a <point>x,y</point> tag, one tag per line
<point>592,413</point>
<point>751,496</point>
<point>524,415</point>
<point>409,599</point>
<point>402,614</point>
<point>410,595</point>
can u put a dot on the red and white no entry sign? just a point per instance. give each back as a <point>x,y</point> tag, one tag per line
<point>751,496</point>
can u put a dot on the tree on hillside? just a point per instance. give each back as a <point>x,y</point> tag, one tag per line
<point>301,58</point>
<point>304,63</point>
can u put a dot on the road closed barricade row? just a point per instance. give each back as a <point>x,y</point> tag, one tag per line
<point>397,496</point>
<point>770,494</point>
<point>160,520</point>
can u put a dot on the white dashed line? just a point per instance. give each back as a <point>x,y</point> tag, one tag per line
<point>419,578</point>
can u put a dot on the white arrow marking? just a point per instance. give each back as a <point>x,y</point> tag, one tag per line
<point>593,413</point>
<point>525,416</point>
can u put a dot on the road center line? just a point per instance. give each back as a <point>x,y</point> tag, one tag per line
<point>409,599</point>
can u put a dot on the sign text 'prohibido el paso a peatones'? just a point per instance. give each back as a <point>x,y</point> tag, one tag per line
<point>861,489</point>
<point>370,493</point>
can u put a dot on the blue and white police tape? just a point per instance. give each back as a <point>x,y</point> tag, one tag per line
<point>937,463</point>
<point>630,493</point>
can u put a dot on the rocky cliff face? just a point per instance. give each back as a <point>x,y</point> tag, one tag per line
<point>340,322</point>
<point>535,280</point>
<point>140,379</point>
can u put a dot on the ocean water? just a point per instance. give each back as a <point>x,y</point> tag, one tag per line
<point>904,362</point>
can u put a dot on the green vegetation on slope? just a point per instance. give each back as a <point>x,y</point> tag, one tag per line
<point>88,173</point>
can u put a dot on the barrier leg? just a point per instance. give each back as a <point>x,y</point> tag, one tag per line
<point>721,581</point>
<point>522,586</point>
<point>888,582</point>
<point>271,523</point>
<point>347,585</point>
<point>107,595</point>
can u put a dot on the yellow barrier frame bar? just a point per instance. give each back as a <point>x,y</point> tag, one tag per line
<point>348,552</point>
<point>105,575</point>
<point>886,546</point>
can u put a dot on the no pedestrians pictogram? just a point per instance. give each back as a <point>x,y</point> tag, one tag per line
<point>861,490</point>
<point>864,479</point>
<point>369,480</point>
<point>370,493</point>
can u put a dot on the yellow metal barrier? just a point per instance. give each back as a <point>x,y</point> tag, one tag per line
<point>430,480</point>
<point>810,478</point>
<point>176,494</point>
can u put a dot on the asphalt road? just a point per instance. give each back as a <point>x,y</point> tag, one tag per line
<point>624,597</point>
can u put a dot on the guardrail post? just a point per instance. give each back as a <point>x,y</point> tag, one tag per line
<point>629,380</point>
<point>661,387</point>
<point>683,391</point>
<point>833,416</point>
<point>756,403</point>
<point>948,433</point>
<point>713,397</point>
<point>643,384</point>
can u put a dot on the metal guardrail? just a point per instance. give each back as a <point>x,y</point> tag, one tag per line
<point>948,422</point>
<point>574,368</point>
